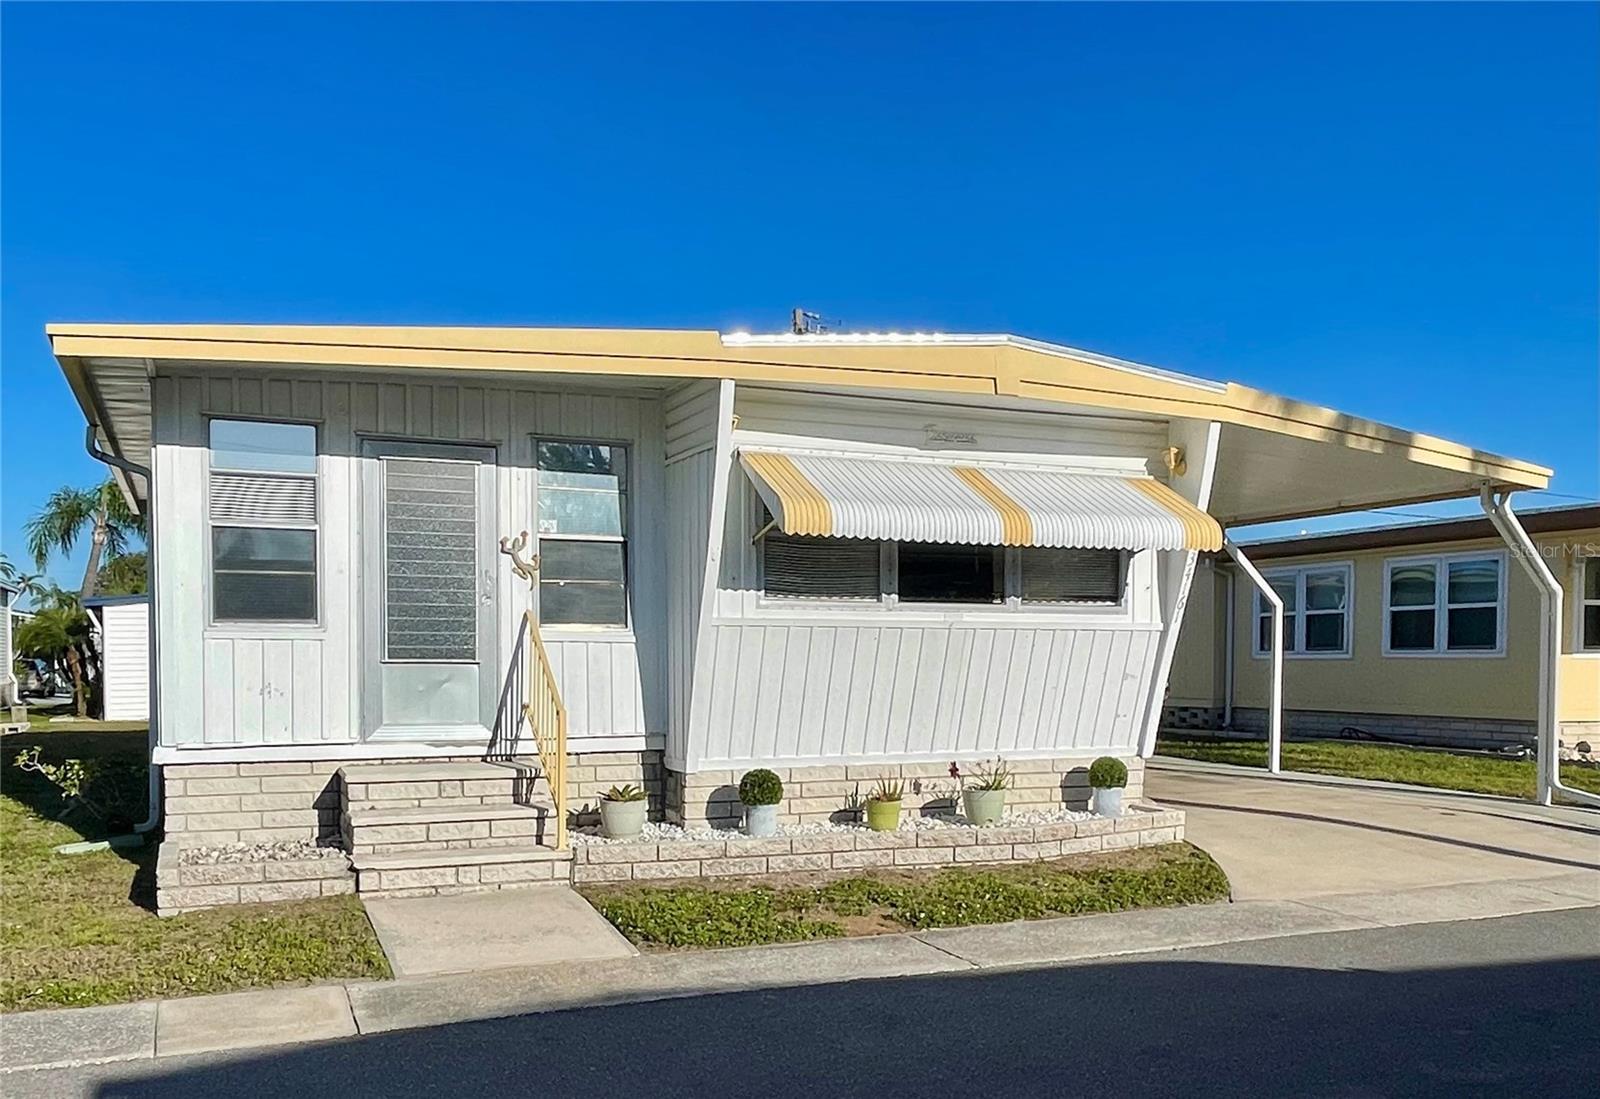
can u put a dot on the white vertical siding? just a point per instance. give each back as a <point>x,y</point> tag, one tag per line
<point>797,684</point>
<point>800,694</point>
<point>125,653</point>
<point>695,421</point>
<point>260,684</point>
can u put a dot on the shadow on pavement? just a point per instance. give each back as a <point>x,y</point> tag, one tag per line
<point>1149,1028</point>
<point>1370,826</point>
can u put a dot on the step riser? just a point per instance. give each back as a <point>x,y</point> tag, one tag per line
<point>470,789</point>
<point>442,880</point>
<point>487,843</point>
<point>442,836</point>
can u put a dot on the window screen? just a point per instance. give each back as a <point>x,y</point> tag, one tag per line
<point>430,551</point>
<point>821,568</point>
<point>1072,575</point>
<point>262,503</point>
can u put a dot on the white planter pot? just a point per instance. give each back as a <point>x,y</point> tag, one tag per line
<point>761,820</point>
<point>1107,802</point>
<point>620,820</point>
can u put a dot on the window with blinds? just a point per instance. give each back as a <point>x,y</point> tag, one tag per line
<point>821,568</point>
<point>912,573</point>
<point>262,505</point>
<point>1064,576</point>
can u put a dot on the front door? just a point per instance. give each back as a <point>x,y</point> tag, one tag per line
<point>430,599</point>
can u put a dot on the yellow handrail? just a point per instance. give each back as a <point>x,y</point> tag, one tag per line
<point>547,718</point>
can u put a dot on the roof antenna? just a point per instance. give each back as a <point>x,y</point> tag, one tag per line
<point>807,323</point>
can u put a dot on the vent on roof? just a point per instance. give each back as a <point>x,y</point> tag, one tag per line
<point>249,499</point>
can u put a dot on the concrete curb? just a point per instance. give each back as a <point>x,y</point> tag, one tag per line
<point>253,1020</point>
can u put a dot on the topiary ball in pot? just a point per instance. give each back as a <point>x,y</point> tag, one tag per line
<point>1107,778</point>
<point>760,790</point>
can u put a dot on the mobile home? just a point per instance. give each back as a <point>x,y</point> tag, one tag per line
<point>388,557</point>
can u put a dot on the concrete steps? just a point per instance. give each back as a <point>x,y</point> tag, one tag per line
<point>418,829</point>
<point>437,873</point>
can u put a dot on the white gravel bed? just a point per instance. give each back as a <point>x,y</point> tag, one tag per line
<point>280,851</point>
<point>672,833</point>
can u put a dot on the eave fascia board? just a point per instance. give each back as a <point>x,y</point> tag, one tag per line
<point>977,364</point>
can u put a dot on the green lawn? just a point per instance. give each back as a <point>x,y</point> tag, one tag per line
<point>1386,763</point>
<point>748,912</point>
<point>77,930</point>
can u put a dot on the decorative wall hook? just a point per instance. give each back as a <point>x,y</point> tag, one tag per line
<point>522,566</point>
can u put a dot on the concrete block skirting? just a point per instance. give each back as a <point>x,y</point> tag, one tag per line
<point>1142,826</point>
<point>190,887</point>
<point>1442,732</point>
<point>819,795</point>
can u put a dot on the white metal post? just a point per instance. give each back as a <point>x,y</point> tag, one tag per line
<point>1548,754</point>
<point>1275,710</point>
<point>1227,657</point>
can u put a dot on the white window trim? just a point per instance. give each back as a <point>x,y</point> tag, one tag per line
<point>1441,605</point>
<point>1300,572</point>
<point>592,631</point>
<point>1580,563</point>
<point>251,628</point>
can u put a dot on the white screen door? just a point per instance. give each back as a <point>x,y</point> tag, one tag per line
<point>430,603</point>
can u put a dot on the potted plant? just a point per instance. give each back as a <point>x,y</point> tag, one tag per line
<point>983,798</point>
<point>622,810</point>
<point>883,805</point>
<point>1107,778</point>
<point>760,790</point>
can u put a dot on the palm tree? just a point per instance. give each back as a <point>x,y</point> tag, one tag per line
<point>61,633</point>
<point>112,525</point>
<point>29,584</point>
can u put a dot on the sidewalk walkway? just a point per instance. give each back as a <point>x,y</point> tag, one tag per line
<point>248,1020</point>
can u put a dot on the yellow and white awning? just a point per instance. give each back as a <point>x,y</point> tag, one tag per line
<point>913,499</point>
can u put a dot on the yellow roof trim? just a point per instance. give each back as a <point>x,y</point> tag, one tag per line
<point>974,368</point>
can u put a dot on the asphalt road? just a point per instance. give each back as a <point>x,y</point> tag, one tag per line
<point>1503,1007</point>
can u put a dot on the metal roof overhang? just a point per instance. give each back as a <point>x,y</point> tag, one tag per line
<point>897,498</point>
<point>1278,458</point>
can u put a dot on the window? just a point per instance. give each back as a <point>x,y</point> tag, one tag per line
<point>1056,577</point>
<point>821,568</point>
<point>582,518</point>
<point>1316,611</point>
<point>1589,606</point>
<point>262,498</point>
<point>864,571</point>
<point>1445,605</point>
<point>933,572</point>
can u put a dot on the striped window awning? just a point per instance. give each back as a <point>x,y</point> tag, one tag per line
<point>908,499</point>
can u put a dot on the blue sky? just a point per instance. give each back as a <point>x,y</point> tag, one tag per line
<point>1387,209</point>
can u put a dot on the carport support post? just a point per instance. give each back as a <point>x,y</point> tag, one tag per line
<point>1548,762</point>
<point>1275,704</point>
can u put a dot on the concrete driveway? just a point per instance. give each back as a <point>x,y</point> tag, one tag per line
<point>1293,837</point>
